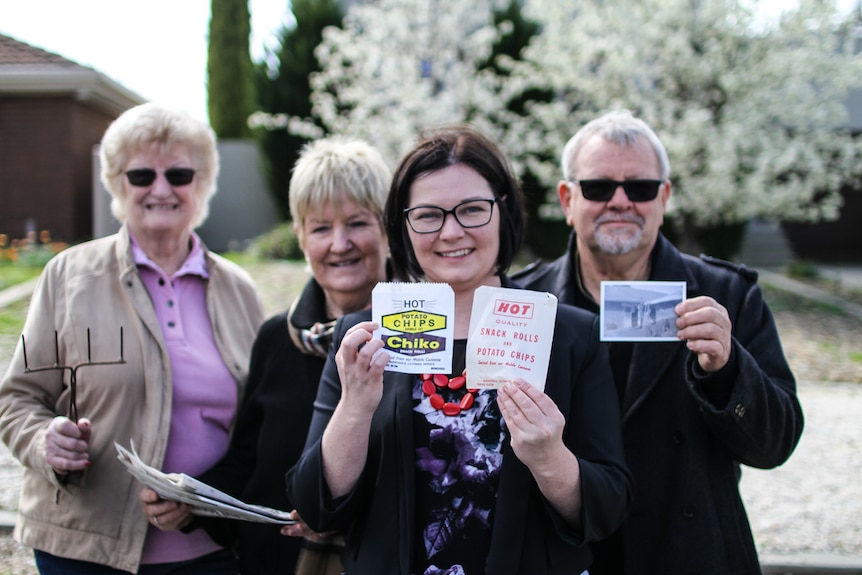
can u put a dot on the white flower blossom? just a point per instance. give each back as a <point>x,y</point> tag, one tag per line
<point>751,114</point>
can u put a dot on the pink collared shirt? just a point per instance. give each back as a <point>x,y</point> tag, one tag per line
<point>204,391</point>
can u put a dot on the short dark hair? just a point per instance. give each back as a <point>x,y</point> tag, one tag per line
<point>438,149</point>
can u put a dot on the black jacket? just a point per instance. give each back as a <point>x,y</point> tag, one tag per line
<point>687,432</point>
<point>528,536</point>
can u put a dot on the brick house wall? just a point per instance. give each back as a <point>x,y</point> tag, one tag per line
<point>45,168</point>
<point>52,114</point>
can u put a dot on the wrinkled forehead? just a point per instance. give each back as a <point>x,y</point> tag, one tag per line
<point>170,151</point>
<point>600,152</point>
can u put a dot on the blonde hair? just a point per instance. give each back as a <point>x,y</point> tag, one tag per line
<point>153,123</point>
<point>332,168</point>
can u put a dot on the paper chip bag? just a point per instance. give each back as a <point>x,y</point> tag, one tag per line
<point>416,325</point>
<point>511,331</point>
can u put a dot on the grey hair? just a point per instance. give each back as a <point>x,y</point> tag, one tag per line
<point>154,123</point>
<point>620,127</point>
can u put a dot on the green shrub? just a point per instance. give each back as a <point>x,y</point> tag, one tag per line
<point>803,269</point>
<point>280,243</point>
<point>35,256</point>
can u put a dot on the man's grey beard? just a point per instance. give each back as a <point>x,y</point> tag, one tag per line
<point>619,243</point>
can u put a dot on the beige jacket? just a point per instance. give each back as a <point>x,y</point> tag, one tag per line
<point>95,515</point>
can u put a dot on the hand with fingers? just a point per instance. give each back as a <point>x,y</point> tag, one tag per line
<point>360,360</point>
<point>704,325</point>
<point>162,513</point>
<point>66,444</point>
<point>534,421</point>
<point>535,425</point>
<point>301,529</point>
<point>360,364</point>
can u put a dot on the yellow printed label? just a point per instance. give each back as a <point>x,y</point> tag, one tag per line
<point>413,321</point>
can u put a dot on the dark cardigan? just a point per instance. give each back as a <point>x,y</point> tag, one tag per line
<point>267,440</point>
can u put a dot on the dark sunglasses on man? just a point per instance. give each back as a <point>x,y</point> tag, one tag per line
<point>603,190</point>
<point>143,177</point>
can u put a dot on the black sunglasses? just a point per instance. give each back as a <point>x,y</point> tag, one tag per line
<point>143,177</point>
<point>603,190</point>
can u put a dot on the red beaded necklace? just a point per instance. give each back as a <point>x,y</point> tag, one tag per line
<point>431,383</point>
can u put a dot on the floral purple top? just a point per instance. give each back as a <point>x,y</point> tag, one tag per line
<point>458,462</point>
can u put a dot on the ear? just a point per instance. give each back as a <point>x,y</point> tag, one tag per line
<point>564,193</point>
<point>664,195</point>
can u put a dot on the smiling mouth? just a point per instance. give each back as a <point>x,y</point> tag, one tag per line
<point>162,206</point>
<point>456,253</point>
<point>344,263</point>
<point>617,222</point>
<point>623,219</point>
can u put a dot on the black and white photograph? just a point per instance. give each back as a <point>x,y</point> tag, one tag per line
<point>639,310</point>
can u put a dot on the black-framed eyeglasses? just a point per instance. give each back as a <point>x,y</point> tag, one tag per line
<point>603,190</point>
<point>469,214</point>
<point>143,177</point>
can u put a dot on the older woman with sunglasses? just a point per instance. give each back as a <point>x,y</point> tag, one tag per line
<point>519,481</point>
<point>188,319</point>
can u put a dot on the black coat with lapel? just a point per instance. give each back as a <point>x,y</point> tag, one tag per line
<point>528,536</point>
<point>686,433</point>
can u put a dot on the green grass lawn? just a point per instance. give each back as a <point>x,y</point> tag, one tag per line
<point>14,273</point>
<point>11,274</point>
<point>12,318</point>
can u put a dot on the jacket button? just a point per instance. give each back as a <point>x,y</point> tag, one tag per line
<point>678,438</point>
<point>739,410</point>
<point>688,510</point>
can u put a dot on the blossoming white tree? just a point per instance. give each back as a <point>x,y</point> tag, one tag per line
<point>751,113</point>
<point>399,66</point>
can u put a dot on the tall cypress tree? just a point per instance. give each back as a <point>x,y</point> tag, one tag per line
<point>286,89</point>
<point>230,87</point>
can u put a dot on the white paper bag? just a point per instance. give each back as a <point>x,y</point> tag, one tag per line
<point>511,331</point>
<point>417,325</point>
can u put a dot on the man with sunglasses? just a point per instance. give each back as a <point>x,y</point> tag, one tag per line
<point>693,410</point>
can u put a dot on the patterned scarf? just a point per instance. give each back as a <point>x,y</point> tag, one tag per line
<point>309,332</point>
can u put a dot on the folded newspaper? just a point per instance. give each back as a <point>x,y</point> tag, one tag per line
<point>204,500</point>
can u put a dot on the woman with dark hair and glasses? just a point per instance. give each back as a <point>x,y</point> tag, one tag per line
<point>188,319</point>
<point>519,481</point>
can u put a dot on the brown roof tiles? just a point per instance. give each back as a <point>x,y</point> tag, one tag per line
<point>14,52</point>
